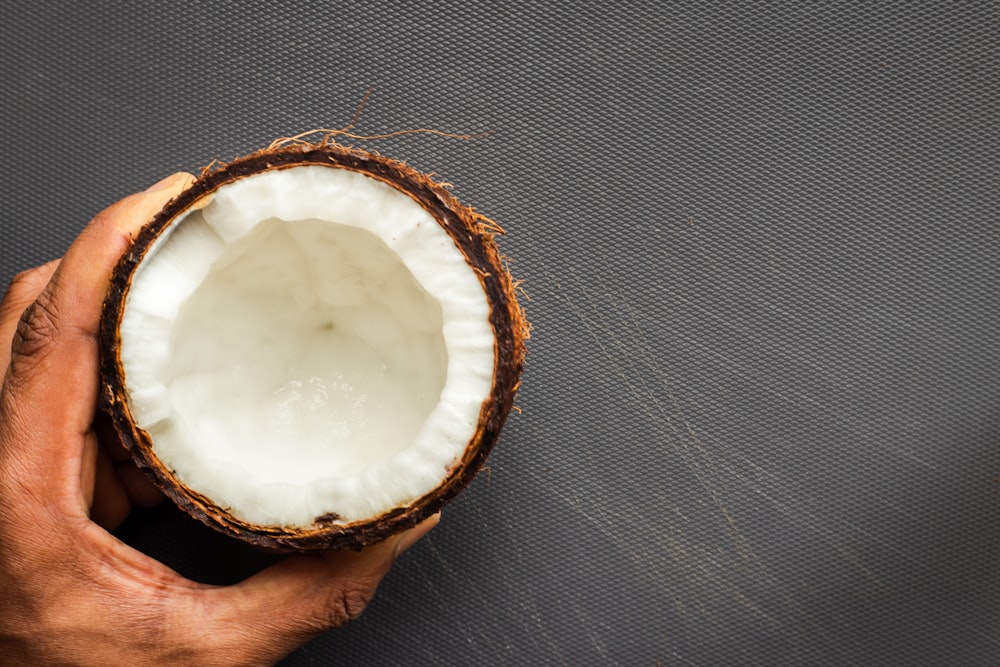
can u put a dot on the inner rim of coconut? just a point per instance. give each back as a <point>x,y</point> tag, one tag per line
<point>309,343</point>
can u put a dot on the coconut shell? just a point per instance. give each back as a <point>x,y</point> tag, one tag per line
<point>472,233</point>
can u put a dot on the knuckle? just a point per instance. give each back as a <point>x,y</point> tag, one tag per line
<point>35,331</point>
<point>346,604</point>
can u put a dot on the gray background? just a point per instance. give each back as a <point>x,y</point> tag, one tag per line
<point>760,416</point>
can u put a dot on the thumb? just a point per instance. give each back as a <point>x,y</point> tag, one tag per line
<point>53,362</point>
<point>274,612</point>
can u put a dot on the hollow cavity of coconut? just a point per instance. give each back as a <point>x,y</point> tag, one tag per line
<point>312,347</point>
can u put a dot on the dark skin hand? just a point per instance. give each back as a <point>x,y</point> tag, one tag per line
<point>70,592</point>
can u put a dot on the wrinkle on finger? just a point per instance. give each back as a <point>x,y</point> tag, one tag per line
<point>37,328</point>
<point>23,291</point>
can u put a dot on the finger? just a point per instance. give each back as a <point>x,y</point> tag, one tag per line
<point>52,381</point>
<point>109,504</point>
<point>24,289</point>
<point>140,489</point>
<point>274,612</point>
<point>109,438</point>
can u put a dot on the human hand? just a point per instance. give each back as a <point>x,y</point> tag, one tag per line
<point>70,592</point>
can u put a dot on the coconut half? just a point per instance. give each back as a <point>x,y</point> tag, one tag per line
<point>312,347</point>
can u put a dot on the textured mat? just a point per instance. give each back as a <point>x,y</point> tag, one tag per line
<point>761,417</point>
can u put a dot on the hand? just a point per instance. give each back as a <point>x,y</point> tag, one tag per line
<point>70,592</point>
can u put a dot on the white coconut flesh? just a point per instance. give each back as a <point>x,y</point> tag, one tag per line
<point>310,343</point>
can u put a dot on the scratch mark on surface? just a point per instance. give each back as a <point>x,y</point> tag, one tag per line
<point>636,365</point>
<point>696,458</point>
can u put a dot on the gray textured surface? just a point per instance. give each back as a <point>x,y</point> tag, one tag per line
<point>762,412</point>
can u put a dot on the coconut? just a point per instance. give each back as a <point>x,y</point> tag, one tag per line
<point>312,347</point>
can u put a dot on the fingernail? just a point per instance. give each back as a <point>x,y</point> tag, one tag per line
<point>167,183</point>
<point>413,535</point>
